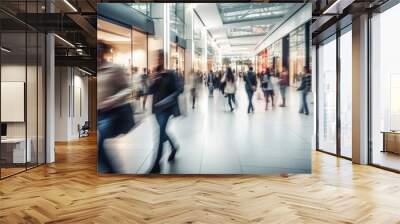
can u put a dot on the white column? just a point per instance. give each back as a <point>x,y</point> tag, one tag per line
<point>360,90</point>
<point>205,36</point>
<point>160,14</point>
<point>189,51</point>
<point>313,92</point>
<point>167,41</point>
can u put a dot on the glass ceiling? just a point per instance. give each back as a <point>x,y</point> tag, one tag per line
<point>144,8</point>
<point>250,30</point>
<point>237,12</point>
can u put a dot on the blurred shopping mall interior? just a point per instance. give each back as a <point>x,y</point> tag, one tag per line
<point>338,162</point>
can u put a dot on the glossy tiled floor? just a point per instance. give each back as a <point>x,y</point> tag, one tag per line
<point>213,140</point>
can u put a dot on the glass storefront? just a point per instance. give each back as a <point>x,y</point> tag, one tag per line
<point>275,56</point>
<point>385,89</point>
<point>270,57</point>
<point>177,58</point>
<point>297,55</point>
<point>120,39</point>
<point>139,53</point>
<point>22,76</point>
<point>177,28</point>
<point>334,98</point>
<point>177,18</point>
<point>327,95</point>
<point>129,50</point>
<point>262,61</point>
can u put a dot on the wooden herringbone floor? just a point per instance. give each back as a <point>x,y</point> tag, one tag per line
<point>70,191</point>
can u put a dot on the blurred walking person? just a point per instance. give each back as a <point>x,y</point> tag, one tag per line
<point>283,83</point>
<point>222,82</point>
<point>250,80</point>
<point>230,87</point>
<point>166,88</point>
<point>195,82</point>
<point>115,114</point>
<point>305,87</point>
<point>144,79</point>
<point>267,87</point>
<point>210,83</point>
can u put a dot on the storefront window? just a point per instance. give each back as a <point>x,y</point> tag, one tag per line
<point>177,18</point>
<point>120,39</point>
<point>297,51</point>
<point>177,58</point>
<point>385,89</point>
<point>275,56</point>
<point>262,61</point>
<point>129,50</point>
<point>327,96</point>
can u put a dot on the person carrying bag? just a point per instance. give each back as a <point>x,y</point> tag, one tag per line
<point>250,86</point>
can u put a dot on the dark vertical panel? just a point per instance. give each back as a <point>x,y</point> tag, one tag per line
<point>37,91</point>
<point>317,96</point>
<point>338,72</point>
<point>26,87</point>
<point>285,52</point>
<point>147,52</point>
<point>45,86</point>
<point>369,100</point>
<point>307,44</point>
<point>73,91</point>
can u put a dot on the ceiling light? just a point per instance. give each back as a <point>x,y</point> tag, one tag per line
<point>70,5</point>
<point>86,72</point>
<point>64,40</point>
<point>5,50</point>
<point>337,7</point>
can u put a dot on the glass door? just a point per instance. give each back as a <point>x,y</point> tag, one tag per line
<point>385,89</point>
<point>16,151</point>
<point>346,93</point>
<point>327,96</point>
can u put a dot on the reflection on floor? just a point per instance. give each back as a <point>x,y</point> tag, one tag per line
<point>214,140</point>
<point>387,159</point>
<point>10,171</point>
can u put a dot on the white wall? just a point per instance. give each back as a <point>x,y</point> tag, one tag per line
<point>70,83</point>
<point>61,103</point>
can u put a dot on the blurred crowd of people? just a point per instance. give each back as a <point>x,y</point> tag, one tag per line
<point>115,96</point>
<point>268,81</point>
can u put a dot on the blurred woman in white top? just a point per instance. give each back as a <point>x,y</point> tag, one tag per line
<point>230,87</point>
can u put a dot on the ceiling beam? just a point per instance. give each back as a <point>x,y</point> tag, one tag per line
<point>84,24</point>
<point>249,23</point>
